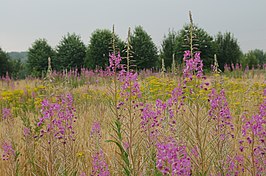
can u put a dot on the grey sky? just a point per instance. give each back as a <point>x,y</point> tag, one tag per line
<point>23,21</point>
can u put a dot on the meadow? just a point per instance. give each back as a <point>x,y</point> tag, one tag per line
<point>120,122</point>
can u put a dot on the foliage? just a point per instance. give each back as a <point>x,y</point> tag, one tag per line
<point>169,48</point>
<point>23,56</point>
<point>144,50</point>
<point>71,52</point>
<point>99,48</point>
<point>5,65</point>
<point>38,55</point>
<point>227,49</point>
<point>19,69</point>
<point>254,58</point>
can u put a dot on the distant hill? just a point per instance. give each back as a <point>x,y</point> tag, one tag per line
<point>23,56</point>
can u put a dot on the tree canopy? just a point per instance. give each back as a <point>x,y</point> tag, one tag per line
<point>169,48</point>
<point>5,65</point>
<point>253,58</point>
<point>100,47</point>
<point>38,57</point>
<point>71,52</point>
<point>144,50</point>
<point>227,49</point>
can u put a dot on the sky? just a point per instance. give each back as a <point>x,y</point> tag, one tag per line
<point>24,21</point>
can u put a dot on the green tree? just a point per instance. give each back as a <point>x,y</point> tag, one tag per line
<point>38,55</point>
<point>145,53</point>
<point>5,65</point>
<point>260,56</point>
<point>253,58</point>
<point>19,70</point>
<point>201,42</point>
<point>169,48</point>
<point>228,50</point>
<point>100,46</point>
<point>71,53</point>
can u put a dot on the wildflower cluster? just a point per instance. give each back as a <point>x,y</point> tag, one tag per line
<point>130,85</point>
<point>254,132</point>
<point>6,113</point>
<point>220,112</point>
<point>99,165</point>
<point>58,118</point>
<point>235,165</point>
<point>172,159</point>
<point>193,66</point>
<point>8,150</point>
<point>115,62</point>
<point>151,119</point>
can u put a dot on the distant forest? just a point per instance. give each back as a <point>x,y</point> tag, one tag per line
<point>22,56</point>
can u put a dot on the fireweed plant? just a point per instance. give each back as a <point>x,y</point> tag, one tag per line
<point>222,128</point>
<point>11,157</point>
<point>99,164</point>
<point>56,131</point>
<point>252,146</point>
<point>126,94</point>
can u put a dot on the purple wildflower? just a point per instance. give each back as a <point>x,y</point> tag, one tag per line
<point>58,118</point>
<point>8,150</point>
<point>26,131</point>
<point>114,62</point>
<point>235,165</point>
<point>254,132</point>
<point>193,66</point>
<point>99,165</point>
<point>96,130</point>
<point>220,113</point>
<point>130,85</point>
<point>6,113</point>
<point>172,159</point>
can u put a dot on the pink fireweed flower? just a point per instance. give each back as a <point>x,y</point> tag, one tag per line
<point>130,85</point>
<point>26,131</point>
<point>227,68</point>
<point>6,113</point>
<point>152,118</point>
<point>176,97</point>
<point>150,121</point>
<point>220,112</point>
<point>8,150</point>
<point>114,62</point>
<point>193,66</point>
<point>99,165</point>
<point>58,118</point>
<point>186,55</point>
<point>256,124</point>
<point>254,133</point>
<point>96,129</point>
<point>235,165</point>
<point>172,159</point>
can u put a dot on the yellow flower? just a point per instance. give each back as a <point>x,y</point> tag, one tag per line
<point>80,154</point>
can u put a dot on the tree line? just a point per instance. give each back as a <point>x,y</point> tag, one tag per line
<point>71,52</point>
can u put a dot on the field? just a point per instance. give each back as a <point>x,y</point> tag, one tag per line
<point>118,122</point>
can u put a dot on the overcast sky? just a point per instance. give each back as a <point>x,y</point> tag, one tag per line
<point>24,21</point>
